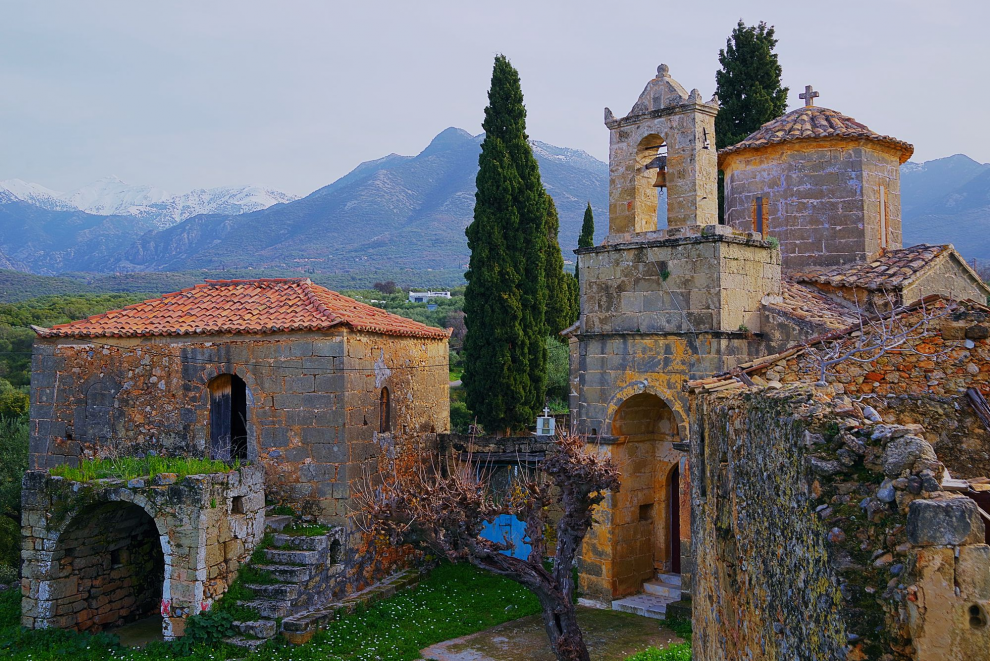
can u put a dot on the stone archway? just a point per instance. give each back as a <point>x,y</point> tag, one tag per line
<point>646,520</point>
<point>107,568</point>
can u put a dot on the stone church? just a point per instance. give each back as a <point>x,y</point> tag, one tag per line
<point>296,387</point>
<point>812,235</point>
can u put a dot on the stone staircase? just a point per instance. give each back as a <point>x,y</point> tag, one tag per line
<point>304,569</point>
<point>652,602</point>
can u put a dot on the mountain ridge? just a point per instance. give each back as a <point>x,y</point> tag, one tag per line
<point>395,213</point>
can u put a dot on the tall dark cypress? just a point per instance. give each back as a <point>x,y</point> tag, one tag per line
<point>587,236</point>
<point>560,292</point>
<point>505,299</point>
<point>585,240</point>
<point>748,84</point>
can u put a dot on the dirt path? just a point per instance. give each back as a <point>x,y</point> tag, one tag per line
<point>610,635</point>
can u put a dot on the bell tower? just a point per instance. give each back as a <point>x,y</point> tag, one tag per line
<point>666,142</point>
<point>658,307</point>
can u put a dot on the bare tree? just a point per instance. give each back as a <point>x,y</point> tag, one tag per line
<point>878,334</point>
<point>443,504</point>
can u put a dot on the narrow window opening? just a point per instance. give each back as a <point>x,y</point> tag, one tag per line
<point>759,216</point>
<point>883,218</point>
<point>116,558</point>
<point>228,418</point>
<point>385,412</point>
<point>237,505</point>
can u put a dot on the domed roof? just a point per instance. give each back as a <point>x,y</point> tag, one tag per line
<point>813,123</point>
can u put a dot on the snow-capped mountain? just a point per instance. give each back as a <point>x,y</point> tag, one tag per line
<point>112,197</point>
<point>36,194</point>
<point>226,200</point>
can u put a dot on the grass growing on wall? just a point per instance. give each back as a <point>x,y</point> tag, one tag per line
<point>126,468</point>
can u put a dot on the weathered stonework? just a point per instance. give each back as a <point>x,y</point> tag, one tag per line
<point>313,414</point>
<point>306,387</point>
<point>820,534</point>
<point>664,116</point>
<point>821,199</point>
<point>107,552</point>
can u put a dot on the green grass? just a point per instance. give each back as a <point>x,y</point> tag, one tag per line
<point>455,600</point>
<point>680,652</point>
<point>127,468</point>
<point>299,529</point>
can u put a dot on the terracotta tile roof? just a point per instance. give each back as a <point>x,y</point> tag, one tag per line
<point>268,305</point>
<point>810,305</point>
<point>892,270</point>
<point>813,123</point>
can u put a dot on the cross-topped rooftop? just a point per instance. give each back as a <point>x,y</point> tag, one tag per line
<point>809,95</point>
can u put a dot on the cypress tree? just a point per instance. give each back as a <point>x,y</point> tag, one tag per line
<point>505,299</point>
<point>748,84</point>
<point>587,237</point>
<point>585,240</point>
<point>560,291</point>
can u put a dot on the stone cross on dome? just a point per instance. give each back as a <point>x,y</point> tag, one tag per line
<point>809,95</point>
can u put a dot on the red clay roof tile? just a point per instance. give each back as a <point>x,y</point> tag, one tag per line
<point>268,305</point>
<point>813,123</point>
<point>892,270</point>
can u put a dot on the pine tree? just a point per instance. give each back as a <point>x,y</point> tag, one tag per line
<point>560,291</point>
<point>748,84</point>
<point>505,299</point>
<point>587,237</point>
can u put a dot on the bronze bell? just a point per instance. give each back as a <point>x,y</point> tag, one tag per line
<point>661,181</point>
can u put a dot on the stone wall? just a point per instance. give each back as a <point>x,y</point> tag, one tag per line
<point>312,403</point>
<point>819,534</point>
<point>821,198</point>
<point>104,552</point>
<point>950,279</point>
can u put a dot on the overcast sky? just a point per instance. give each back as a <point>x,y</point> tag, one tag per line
<point>293,94</point>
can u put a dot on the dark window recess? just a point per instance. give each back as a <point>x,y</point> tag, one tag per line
<point>646,512</point>
<point>237,505</point>
<point>759,215</point>
<point>385,412</point>
<point>115,557</point>
<point>228,418</point>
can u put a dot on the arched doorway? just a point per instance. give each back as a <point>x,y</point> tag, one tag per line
<point>107,569</point>
<point>228,417</point>
<point>647,519</point>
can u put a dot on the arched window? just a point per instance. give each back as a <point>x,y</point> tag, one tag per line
<point>228,417</point>
<point>384,412</point>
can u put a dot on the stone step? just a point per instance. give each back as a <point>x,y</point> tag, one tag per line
<point>250,644</point>
<point>646,605</point>
<point>284,557</point>
<point>300,627</point>
<point>278,591</point>
<point>301,543</point>
<point>257,628</point>
<point>659,589</point>
<point>269,608</point>
<point>288,573</point>
<point>669,579</point>
<point>277,521</point>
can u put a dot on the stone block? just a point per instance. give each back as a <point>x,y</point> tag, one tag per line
<point>972,573</point>
<point>329,453</point>
<point>946,522</point>
<point>333,348</point>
